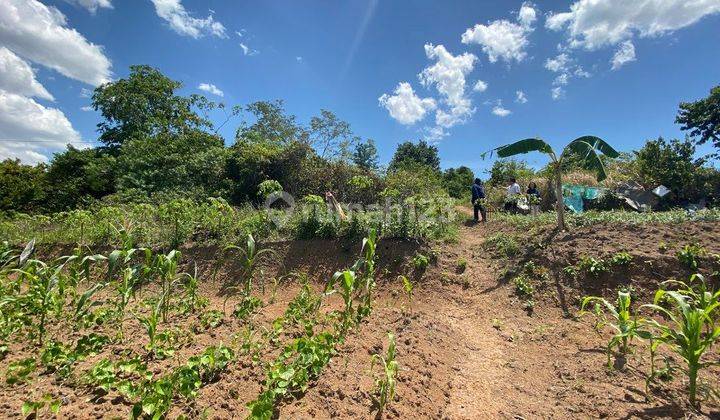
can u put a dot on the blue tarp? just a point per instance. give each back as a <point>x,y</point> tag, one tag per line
<point>573,196</point>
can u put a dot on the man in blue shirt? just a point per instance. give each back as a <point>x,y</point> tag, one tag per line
<point>478,193</point>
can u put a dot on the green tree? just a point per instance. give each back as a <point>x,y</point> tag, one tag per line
<point>77,177</point>
<point>366,155</point>
<point>702,118</point>
<point>458,181</point>
<point>671,164</point>
<point>504,169</point>
<point>589,147</point>
<point>22,187</point>
<point>189,164</point>
<point>331,136</point>
<point>145,103</point>
<point>410,153</point>
<point>271,124</point>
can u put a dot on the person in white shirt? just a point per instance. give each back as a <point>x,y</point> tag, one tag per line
<point>513,193</point>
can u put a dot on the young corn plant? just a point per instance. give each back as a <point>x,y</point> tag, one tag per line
<point>407,288</point>
<point>192,301</point>
<point>693,325</point>
<point>385,383</point>
<point>345,283</point>
<point>41,295</point>
<point>248,259</point>
<point>150,322</point>
<point>126,291</point>
<point>626,325</point>
<point>366,266</point>
<point>167,266</point>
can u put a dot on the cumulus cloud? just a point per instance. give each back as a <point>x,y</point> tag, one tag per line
<point>593,24</point>
<point>40,34</point>
<point>480,86</point>
<point>180,20</point>
<point>211,88</point>
<point>448,76</point>
<point>520,97</point>
<point>16,76</point>
<point>558,63</point>
<point>624,55</point>
<point>502,39</point>
<point>405,106</point>
<point>92,6</point>
<point>27,128</point>
<point>501,111</point>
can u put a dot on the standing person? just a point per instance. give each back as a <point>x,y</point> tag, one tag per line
<point>513,193</point>
<point>533,196</point>
<point>478,193</point>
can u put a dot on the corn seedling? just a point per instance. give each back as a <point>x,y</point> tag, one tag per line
<point>192,301</point>
<point>692,330</point>
<point>385,383</point>
<point>407,287</point>
<point>167,266</point>
<point>625,325</point>
<point>150,322</point>
<point>347,282</point>
<point>248,260</point>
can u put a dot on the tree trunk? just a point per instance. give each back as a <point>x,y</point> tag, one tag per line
<point>559,205</point>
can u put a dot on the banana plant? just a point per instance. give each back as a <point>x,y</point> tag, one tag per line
<point>588,148</point>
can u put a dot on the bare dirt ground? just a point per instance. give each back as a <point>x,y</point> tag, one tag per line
<point>466,346</point>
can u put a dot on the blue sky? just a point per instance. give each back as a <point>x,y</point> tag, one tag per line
<point>344,56</point>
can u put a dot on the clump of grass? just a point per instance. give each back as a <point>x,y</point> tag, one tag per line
<point>461,265</point>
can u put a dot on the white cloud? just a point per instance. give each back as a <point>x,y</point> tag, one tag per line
<point>405,106</point>
<point>210,88</point>
<point>558,63</point>
<point>501,111</point>
<point>27,127</point>
<point>502,39</point>
<point>86,93</point>
<point>557,93</point>
<point>520,97</point>
<point>174,13</point>
<point>480,86</point>
<point>92,5</point>
<point>40,34</point>
<point>527,15</point>
<point>16,76</point>
<point>561,80</point>
<point>448,76</point>
<point>299,59</point>
<point>87,108</point>
<point>593,24</point>
<point>624,55</point>
<point>247,50</point>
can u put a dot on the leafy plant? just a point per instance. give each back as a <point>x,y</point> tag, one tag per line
<point>35,407</point>
<point>385,383</point>
<point>523,286</point>
<point>420,262</point>
<point>211,319</point>
<point>347,281</point>
<point>150,322</point>
<point>246,306</point>
<point>503,243</point>
<point>407,287</point>
<point>593,266</point>
<point>19,371</point>
<point>690,254</point>
<point>621,258</point>
<point>461,265</point>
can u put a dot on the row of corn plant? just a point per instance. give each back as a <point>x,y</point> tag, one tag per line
<point>690,327</point>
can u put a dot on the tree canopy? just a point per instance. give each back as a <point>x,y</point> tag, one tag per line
<point>420,153</point>
<point>702,119</point>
